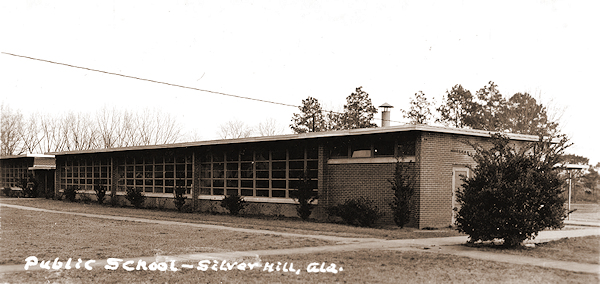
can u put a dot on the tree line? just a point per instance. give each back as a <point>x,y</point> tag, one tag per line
<point>107,128</point>
<point>487,109</point>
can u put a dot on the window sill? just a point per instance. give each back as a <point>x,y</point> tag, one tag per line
<point>379,160</point>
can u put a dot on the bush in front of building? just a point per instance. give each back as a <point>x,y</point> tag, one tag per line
<point>234,204</point>
<point>70,193</point>
<point>29,185</point>
<point>514,193</point>
<point>305,196</point>
<point>7,191</point>
<point>135,196</point>
<point>100,190</point>
<point>357,212</point>
<point>403,185</point>
<point>179,197</point>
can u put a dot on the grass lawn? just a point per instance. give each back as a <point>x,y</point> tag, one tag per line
<point>291,225</point>
<point>584,249</point>
<point>358,267</point>
<point>49,235</point>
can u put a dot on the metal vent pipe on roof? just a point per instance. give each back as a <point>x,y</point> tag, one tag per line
<point>385,114</point>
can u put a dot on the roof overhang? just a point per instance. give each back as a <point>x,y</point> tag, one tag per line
<point>312,135</point>
<point>27,156</point>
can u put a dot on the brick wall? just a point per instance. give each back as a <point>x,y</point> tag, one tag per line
<point>437,155</point>
<point>347,181</point>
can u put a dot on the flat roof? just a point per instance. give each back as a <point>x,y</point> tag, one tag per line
<point>27,156</point>
<point>310,135</point>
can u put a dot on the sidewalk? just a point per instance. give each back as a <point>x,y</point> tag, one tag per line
<point>447,245</point>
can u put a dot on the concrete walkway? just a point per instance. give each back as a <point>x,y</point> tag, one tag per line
<point>447,245</point>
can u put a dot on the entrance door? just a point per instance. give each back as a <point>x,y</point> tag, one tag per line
<point>457,175</point>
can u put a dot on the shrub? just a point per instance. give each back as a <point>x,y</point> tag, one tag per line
<point>357,212</point>
<point>135,197</point>
<point>403,185</point>
<point>85,198</point>
<point>305,196</point>
<point>513,194</point>
<point>29,185</point>
<point>70,193</point>
<point>49,194</point>
<point>234,204</point>
<point>179,197</point>
<point>7,191</point>
<point>100,190</point>
<point>114,200</point>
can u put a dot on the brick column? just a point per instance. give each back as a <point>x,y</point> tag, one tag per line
<point>195,180</point>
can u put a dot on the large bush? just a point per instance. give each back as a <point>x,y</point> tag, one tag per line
<point>514,193</point>
<point>100,190</point>
<point>357,212</point>
<point>234,204</point>
<point>305,196</point>
<point>70,193</point>
<point>179,197</point>
<point>135,196</point>
<point>403,185</point>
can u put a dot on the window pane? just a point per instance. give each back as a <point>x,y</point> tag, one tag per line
<point>278,193</point>
<point>247,192</point>
<point>278,184</point>
<point>262,184</point>
<point>247,183</point>
<point>296,153</point>
<point>232,191</point>
<point>232,183</point>
<point>262,192</point>
<point>278,154</point>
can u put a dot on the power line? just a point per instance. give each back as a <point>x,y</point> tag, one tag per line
<point>153,81</point>
<point>168,84</point>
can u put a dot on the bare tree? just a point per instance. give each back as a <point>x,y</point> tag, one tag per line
<point>155,127</point>
<point>79,131</point>
<point>269,127</point>
<point>30,134</point>
<point>234,129</point>
<point>11,124</point>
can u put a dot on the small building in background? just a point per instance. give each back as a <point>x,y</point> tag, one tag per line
<point>38,167</point>
<point>264,170</point>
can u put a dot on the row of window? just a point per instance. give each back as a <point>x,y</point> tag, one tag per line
<point>156,174</point>
<point>12,172</point>
<point>259,172</point>
<point>84,174</point>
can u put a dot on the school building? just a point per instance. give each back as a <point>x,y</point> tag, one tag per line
<point>41,167</point>
<point>264,170</point>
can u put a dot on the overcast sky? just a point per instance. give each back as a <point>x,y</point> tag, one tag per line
<point>285,51</point>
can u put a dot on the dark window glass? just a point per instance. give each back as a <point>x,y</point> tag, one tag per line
<point>218,191</point>
<point>247,183</point>
<point>339,149</point>
<point>278,184</point>
<point>218,183</point>
<point>232,191</point>
<point>232,156</point>
<point>232,183</point>
<point>278,154</point>
<point>247,192</point>
<point>246,155</point>
<point>296,153</point>
<point>278,193</point>
<point>262,184</point>
<point>262,193</point>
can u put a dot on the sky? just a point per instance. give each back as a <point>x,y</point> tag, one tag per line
<point>285,51</point>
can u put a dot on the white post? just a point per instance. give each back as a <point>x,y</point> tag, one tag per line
<point>569,204</point>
